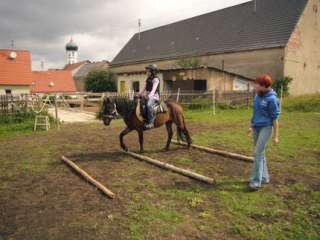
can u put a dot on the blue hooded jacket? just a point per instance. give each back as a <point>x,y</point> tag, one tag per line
<point>265,109</point>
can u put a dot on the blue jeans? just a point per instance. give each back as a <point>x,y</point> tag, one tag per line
<point>260,173</point>
<point>150,111</point>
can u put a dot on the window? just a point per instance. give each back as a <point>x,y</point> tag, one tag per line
<point>8,91</point>
<point>168,85</point>
<point>200,85</point>
<point>136,86</point>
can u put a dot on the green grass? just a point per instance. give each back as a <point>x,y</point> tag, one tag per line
<point>308,103</point>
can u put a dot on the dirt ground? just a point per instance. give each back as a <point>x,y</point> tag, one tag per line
<point>41,198</point>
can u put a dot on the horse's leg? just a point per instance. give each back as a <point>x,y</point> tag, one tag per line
<point>122,134</point>
<point>140,133</point>
<point>170,133</point>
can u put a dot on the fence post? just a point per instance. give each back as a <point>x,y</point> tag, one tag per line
<point>81,102</point>
<point>178,95</point>
<point>281,97</point>
<point>56,111</point>
<point>248,96</point>
<point>213,101</point>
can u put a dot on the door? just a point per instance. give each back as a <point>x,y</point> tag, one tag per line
<point>122,87</point>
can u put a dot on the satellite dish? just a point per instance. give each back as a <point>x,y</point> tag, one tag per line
<point>13,55</point>
<point>51,84</point>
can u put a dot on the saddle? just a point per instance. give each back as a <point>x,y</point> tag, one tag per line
<point>141,109</point>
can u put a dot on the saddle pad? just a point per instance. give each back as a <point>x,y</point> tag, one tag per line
<point>158,108</point>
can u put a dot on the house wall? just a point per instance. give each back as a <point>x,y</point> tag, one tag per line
<point>246,63</point>
<point>302,54</point>
<point>130,78</point>
<point>15,89</point>
<point>215,79</point>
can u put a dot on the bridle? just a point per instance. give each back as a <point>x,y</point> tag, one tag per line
<point>113,114</point>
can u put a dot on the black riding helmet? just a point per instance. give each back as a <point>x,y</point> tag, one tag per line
<point>152,68</point>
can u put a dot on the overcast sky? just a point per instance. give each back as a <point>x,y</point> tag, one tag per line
<point>99,27</point>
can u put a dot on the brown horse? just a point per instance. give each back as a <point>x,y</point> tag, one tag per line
<point>126,108</point>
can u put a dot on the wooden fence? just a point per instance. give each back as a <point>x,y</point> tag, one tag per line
<point>10,105</point>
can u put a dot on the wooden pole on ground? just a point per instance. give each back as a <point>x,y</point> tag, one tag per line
<point>220,152</point>
<point>175,169</point>
<point>88,177</point>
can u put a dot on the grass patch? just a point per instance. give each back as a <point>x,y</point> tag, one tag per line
<point>308,103</point>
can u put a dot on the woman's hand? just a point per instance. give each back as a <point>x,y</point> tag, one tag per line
<point>249,132</point>
<point>275,140</point>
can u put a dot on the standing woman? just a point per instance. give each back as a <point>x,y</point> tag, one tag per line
<point>264,121</point>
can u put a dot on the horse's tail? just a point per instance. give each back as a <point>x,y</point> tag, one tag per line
<point>179,120</point>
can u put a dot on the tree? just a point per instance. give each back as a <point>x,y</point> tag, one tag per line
<point>282,83</point>
<point>100,81</point>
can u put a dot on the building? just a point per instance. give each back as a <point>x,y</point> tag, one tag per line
<point>15,71</point>
<point>81,69</point>
<point>52,81</point>
<point>72,52</point>
<point>278,37</point>
<point>200,79</point>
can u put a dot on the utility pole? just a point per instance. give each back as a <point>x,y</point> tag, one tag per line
<point>12,44</point>
<point>139,24</point>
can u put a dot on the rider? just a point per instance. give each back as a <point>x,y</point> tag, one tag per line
<point>151,91</point>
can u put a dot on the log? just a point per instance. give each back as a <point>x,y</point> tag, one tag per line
<point>88,177</point>
<point>172,168</point>
<point>219,152</point>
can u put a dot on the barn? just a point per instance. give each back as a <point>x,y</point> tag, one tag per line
<point>278,37</point>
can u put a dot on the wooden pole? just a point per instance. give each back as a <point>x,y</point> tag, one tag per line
<point>175,169</point>
<point>56,111</point>
<point>88,177</point>
<point>178,95</point>
<point>214,102</point>
<point>219,152</point>
<point>81,102</point>
<point>281,97</point>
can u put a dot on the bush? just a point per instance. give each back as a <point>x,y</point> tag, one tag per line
<point>283,83</point>
<point>308,103</point>
<point>100,81</point>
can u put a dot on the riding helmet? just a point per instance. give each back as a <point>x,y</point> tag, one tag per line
<point>152,68</point>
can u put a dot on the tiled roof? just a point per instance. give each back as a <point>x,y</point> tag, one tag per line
<point>74,66</point>
<point>232,29</point>
<point>15,71</point>
<point>52,81</point>
<point>86,68</point>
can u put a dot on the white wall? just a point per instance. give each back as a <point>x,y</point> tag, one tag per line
<point>15,89</point>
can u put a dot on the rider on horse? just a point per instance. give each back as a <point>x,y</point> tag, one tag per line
<point>151,91</point>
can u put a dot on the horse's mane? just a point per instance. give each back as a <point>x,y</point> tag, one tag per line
<point>124,104</point>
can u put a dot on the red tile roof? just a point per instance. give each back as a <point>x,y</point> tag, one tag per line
<point>75,65</point>
<point>52,81</point>
<point>15,71</point>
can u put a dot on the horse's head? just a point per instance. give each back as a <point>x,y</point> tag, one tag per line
<point>109,111</point>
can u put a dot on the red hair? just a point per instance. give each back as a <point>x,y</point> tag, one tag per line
<point>264,80</point>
